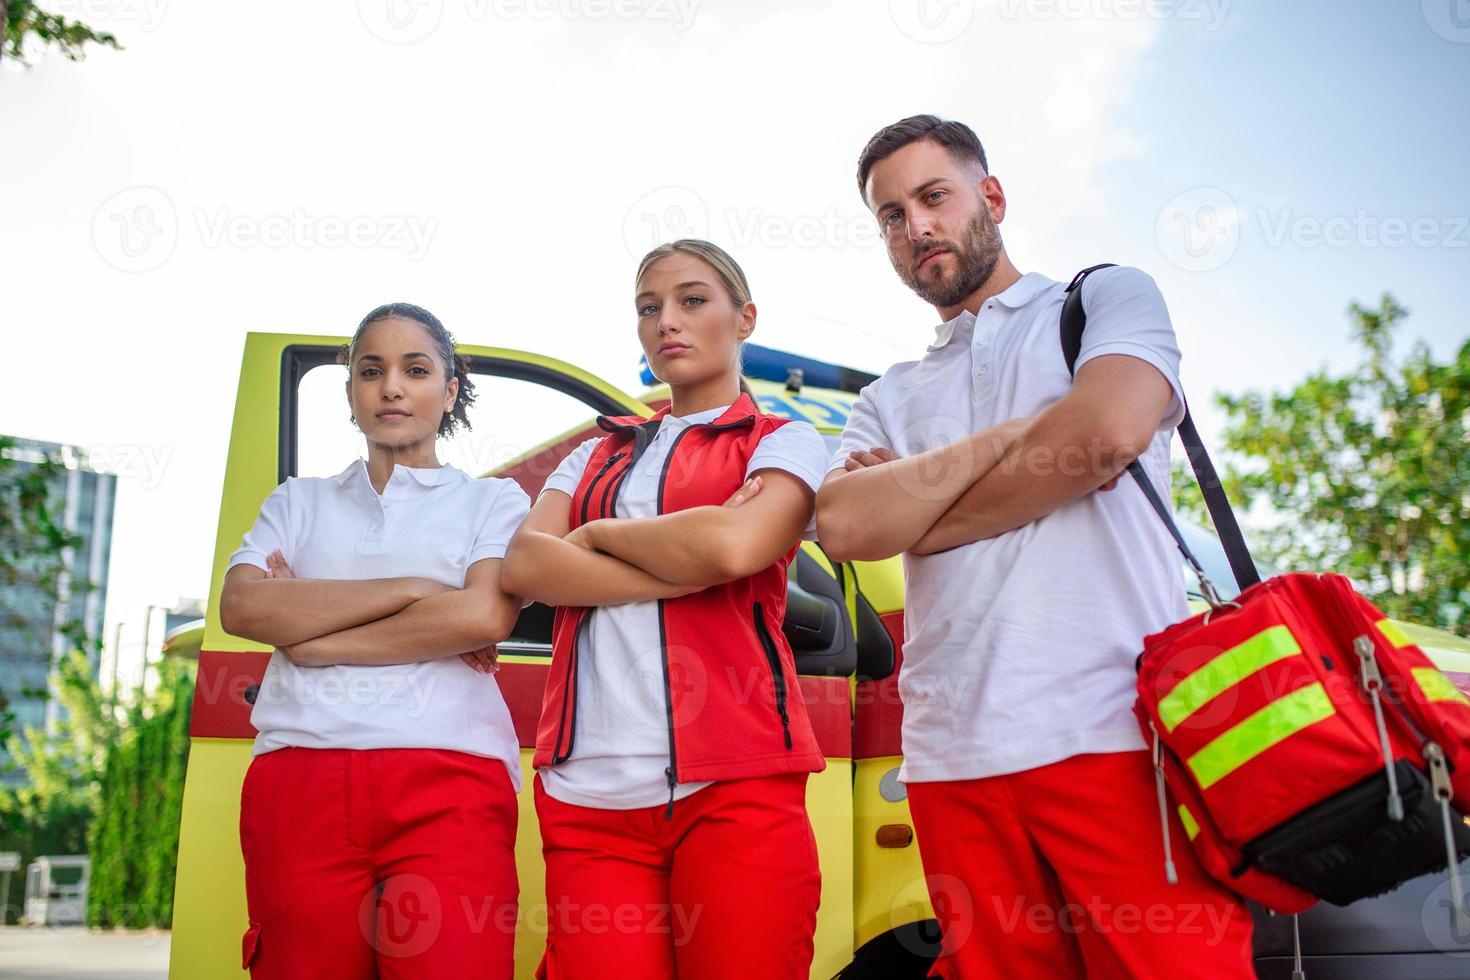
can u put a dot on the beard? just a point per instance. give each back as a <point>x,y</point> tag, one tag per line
<point>976,255</point>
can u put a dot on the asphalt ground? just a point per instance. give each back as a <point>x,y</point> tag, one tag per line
<point>76,953</point>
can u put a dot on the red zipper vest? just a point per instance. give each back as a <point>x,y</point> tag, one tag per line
<point>733,706</point>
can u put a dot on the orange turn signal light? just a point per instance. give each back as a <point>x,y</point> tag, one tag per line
<point>895,835</point>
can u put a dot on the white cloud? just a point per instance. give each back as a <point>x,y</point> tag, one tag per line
<point>517,148</point>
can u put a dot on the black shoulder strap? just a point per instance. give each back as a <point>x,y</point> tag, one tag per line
<point>1074,322</point>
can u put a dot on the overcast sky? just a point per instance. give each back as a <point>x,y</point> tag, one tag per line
<point>505,162</point>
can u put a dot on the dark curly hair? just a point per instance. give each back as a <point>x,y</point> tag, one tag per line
<point>455,363</point>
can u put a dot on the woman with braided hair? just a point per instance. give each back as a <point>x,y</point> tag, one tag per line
<point>378,816</point>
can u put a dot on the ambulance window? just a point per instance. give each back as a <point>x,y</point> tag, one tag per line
<point>519,429</point>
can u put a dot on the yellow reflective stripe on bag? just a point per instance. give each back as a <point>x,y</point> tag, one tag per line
<point>1191,828</point>
<point>1436,686</point>
<point>1395,635</point>
<point>1269,726</point>
<point>1225,671</point>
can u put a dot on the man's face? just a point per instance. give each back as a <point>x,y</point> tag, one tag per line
<point>939,218</point>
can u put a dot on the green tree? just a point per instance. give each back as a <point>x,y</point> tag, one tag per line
<point>1366,473</point>
<point>134,842</point>
<point>24,20</point>
<point>52,812</point>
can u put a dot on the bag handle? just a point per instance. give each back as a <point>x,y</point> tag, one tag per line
<point>1074,322</point>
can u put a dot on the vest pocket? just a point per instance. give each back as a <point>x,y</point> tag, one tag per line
<point>778,677</point>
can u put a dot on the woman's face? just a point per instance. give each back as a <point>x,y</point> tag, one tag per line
<point>690,328</point>
<point>399,389</point>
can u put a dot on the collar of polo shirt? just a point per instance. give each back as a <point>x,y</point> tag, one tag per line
<point>1016,296</point>
<point>412,478</point>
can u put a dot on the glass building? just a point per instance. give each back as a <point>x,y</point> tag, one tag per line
<point>31,636</point>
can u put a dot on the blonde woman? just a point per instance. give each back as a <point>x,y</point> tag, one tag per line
<point>673,748</point>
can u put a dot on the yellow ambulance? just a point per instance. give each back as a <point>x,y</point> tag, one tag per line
<point>845,624</point>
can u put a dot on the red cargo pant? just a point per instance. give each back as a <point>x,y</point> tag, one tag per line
<point>1058,872</point>
<point>727,889</point>
<point>391,863</point>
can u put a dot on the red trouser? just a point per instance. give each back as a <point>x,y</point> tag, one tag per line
<point>728,888</point>
<point>1058,872</point>
<point>384,863</point>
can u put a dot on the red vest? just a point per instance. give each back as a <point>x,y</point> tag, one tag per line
<point>733,706</point>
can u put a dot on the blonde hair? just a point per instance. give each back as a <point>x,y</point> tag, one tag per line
<point>731,276</point>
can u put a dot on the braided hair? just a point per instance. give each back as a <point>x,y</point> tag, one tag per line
<point>455,364</point>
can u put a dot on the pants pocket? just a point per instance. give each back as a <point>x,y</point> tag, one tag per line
<point>249,945</point>
<point>546,969</point>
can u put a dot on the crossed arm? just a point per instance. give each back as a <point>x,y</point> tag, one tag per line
<point>317,622</point>
<point>613,561</point>
<point>999,479</point>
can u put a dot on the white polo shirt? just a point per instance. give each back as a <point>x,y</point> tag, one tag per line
<point>621,738</point>
<point>1019,649</point>
<point>427,523</point>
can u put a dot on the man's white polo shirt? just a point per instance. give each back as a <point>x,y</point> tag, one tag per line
<point>427,523</point>
<point>1019,649</point>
